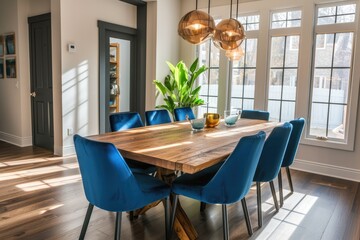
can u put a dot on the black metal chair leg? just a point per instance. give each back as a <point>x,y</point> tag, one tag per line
<point>175,201</point>
<point>259,208</point>
<point>247,218</point>
<point>167,218</point>
<point>225,222</point>
<point>86,221</point>
<point>202,206</point>
<point>281,194</point>
<point>118,226</point>
<point>290,180</point>
<point>273,192</point>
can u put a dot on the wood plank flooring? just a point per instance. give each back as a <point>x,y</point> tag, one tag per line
<point>41,197</point>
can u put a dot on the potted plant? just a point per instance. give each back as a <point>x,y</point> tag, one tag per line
<point>179,88</point>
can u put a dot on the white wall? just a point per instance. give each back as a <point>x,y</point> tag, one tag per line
<point>15,123</point>
<point>168,40</point>
<point>80,86</point>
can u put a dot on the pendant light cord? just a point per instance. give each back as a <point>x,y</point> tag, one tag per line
<point>209,8</point>
<point>196,5</point>
<point>230,8</point>
<point>237,9</point>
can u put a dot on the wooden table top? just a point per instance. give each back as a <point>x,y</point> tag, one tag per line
<point>175,147</point>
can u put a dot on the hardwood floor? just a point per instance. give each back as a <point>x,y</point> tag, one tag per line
<point>41,197</point>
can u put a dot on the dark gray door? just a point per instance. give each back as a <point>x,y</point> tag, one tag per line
<point>41,80</point>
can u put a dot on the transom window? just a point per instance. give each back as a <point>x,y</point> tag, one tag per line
<point>250,23</point>
<point>286,19</point>
<point>336,14</point>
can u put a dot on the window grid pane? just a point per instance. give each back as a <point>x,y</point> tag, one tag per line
<point>336,14</point>
<point>286,19</point>
<point>283,77</point>
<point>250,23</point>
<point>243,77</point>
<point>330,86</point>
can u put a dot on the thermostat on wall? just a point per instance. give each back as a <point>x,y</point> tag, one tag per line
<point>71,47</point>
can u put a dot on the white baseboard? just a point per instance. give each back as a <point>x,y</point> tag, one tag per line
<point>16,140</point>
<point>327,170</point>
<point>68,150</point>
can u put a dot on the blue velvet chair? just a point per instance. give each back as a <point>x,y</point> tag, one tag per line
<point>270,163</point>
<point>180,113</point>
<point>255,114</point>
<point>224,183</point>
<point>126,120</point>
<point>109,184</point>
<point>298,126</point>
<point>158,116</point>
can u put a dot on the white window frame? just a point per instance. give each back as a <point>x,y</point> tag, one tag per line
<point>353,96</point>
<point>283,32</point>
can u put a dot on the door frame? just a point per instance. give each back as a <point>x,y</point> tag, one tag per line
<point>137,71</point>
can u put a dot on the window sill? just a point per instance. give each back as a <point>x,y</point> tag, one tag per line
<point>328,144</point>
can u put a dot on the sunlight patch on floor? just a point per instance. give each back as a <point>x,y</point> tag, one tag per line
<point>36,171</point>
<point>48,183</point>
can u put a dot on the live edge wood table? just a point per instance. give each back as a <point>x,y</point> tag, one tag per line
<point>174,147</point>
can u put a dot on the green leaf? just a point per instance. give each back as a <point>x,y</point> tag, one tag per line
<point>160,87</point>
<point>194,65</point>
<point>171,67</point>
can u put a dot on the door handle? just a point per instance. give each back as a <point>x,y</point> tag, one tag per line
<point>33,94</point>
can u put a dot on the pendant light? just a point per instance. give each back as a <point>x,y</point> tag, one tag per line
<point>229,33</point>
<point>196,26</point>
<point>237,53</point>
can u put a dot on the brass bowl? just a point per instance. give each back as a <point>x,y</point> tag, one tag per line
<point>212,119</point>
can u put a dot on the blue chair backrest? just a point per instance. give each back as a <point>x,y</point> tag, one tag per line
<point>125,120</point>
<point>108,182</point>
<point>159,116</point>
<point>273,153</point>
<point>255,114</point>
<point>234,178</point>
<point>180,113</point>
<point>298,126</point>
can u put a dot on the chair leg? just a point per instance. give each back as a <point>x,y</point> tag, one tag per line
<point>281,194</point>
<point>86,221</point>
<point>167,218</point>
<point>259,208</point>
<point>290,180</point>
<point>273,192</point>
<point>202,206</point>
<point>247,218</point>
<point>225,222</point>
<point>175,201</point>
<point>118,226</point>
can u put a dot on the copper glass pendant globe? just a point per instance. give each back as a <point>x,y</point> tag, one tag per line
<point>235,55</point>
<point>196,27</point>
<point>229,34</point>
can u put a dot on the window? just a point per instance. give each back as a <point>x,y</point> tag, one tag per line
<point>331,83</point>
<point>283,77</point>
<point>299,65</point>
<point>284,55</point>
<point>209,56</point>
<point>286,19</point>
<point>336,14</point>
<point>243,77</point>
<point>250,23</point>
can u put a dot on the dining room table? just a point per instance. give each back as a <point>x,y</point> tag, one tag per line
<point>176,149</point>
